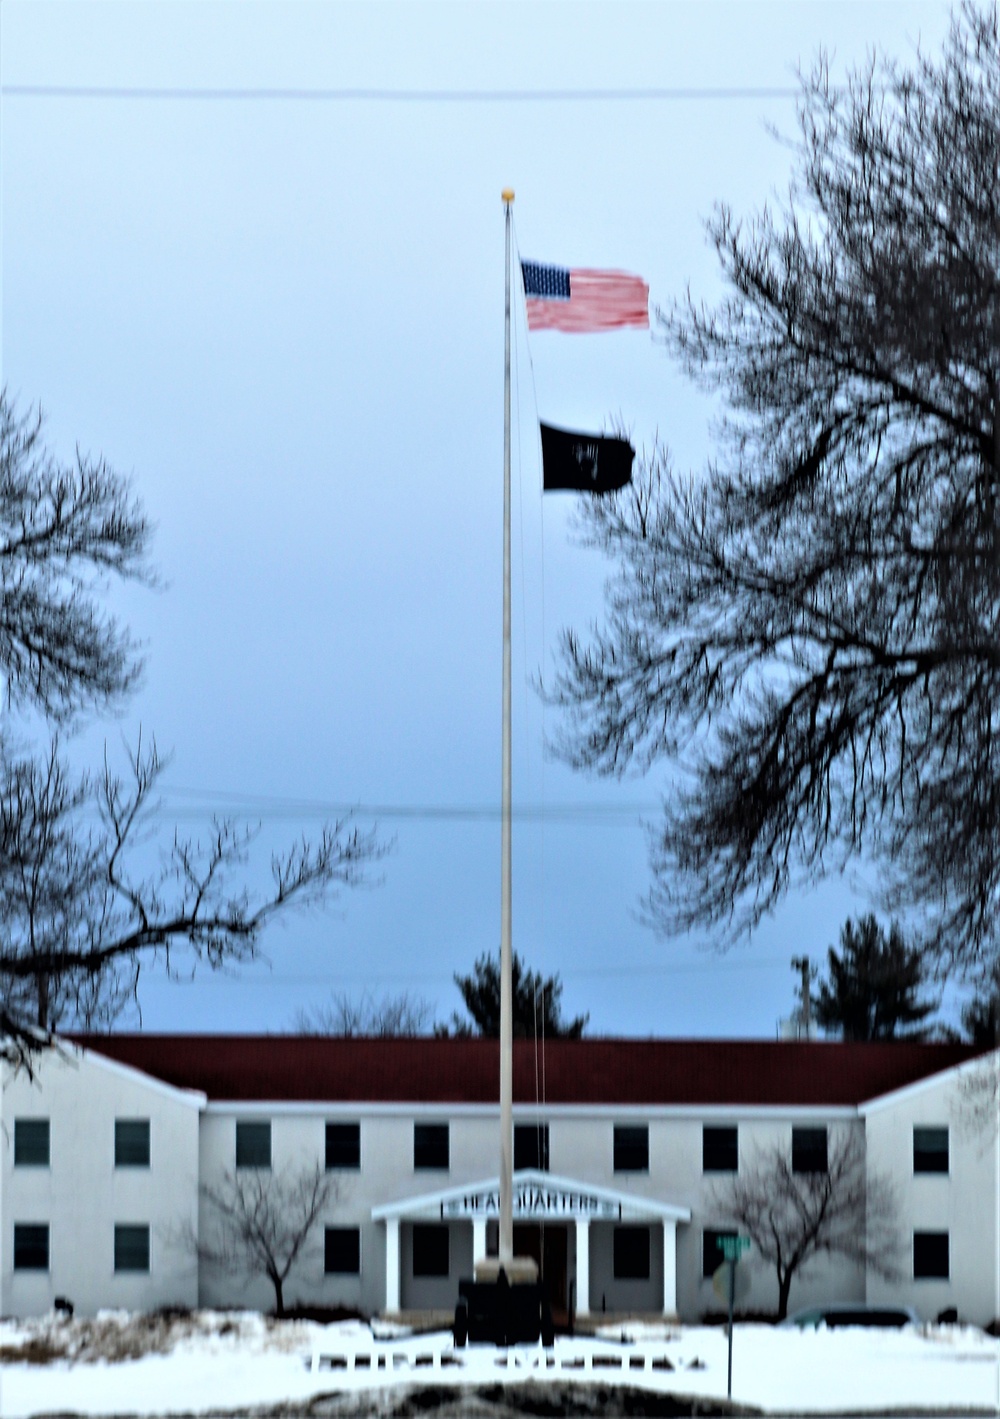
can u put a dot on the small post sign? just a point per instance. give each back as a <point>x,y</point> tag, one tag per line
<point>732,1248</point>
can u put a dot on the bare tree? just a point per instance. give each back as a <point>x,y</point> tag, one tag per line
<point>793,1217</point>
<point>806,636</point>
<point>263,1222</point>
<point>978,1109</point>
<point>81,908</point>
<point>65,531</point>
<point>387,1017</point>
<point>82,911</point>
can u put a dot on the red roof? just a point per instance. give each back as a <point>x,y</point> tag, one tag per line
<point>297,1068</point>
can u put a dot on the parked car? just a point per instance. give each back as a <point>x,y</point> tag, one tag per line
<point>841,1313</point>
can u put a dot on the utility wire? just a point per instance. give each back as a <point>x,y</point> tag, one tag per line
<point>277,977</point>
<point>431,812</point>
<point>171,93</point>
<point>270,811</point>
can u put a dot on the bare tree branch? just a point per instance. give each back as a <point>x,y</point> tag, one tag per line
<point>807,637</point>
<point>263,1222</point>
<point>978,1112</point>
<point>88,893</point>
<point>64,531</point>
<point>388,1017</point>
<point>82,910</point>
<point>793,1217</point>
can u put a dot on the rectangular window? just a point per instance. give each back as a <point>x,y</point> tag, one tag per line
<point>31,1143</point>
<point>719,1150</point>
<point>631,1148</point>
<point>131,1142</point>
<point>430,1249</point>
<point>131,1247</point>
<point>430,1147</point>
<point>343,1145</point>
<point>31,1246</point>
<point>711,1252</point>
<point>253,1145</point>
<point>930,1256</point>
<point>930,1150</point>
<point>631,1253</point>
<point>531,1146</point>
<point>342,1251</point>
<point>808,1150</point>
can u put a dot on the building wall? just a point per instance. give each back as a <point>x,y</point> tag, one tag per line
<point>823,1279</point>
<point>963,1203</point>
<point>438,1293</point>
<point>581,1147</point>
<point>81,1195</point>
<point>610,1294</point>
<point>387,1172</point>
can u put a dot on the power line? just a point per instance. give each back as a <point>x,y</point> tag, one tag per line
<point>210,800</point>
<point>169,93</point>
<point>208,804</point>
<point>334,979</point>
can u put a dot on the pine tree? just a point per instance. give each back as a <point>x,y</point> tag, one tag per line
<point>873,988</point>
<point>536,1002</point>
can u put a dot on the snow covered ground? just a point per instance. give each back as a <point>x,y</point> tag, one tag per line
<point>225,1363</point>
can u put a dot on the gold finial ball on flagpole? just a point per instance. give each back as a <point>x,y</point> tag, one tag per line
<point>508,195</point>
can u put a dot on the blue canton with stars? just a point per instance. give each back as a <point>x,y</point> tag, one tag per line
<point>549,282</point>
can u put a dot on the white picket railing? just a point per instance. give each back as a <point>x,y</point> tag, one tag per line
<point>437,1351</point>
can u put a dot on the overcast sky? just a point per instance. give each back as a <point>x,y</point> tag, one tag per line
<point>253,253</point>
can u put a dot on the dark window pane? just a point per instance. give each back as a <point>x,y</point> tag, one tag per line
<point>31,1246</point>
<point>930,1150</point>
<point>253,1145</point>
<point>631,1253</point>
<point>719,1150</point>
<point>343,1145</point>
<point>430,1249</point>
<point>930,1255</point>
<point>711,1252</point>
<point>631,1148</point>
<point>531,1146</point>
<point>131,1142</point>
<point>430,1145</point>
<point>31,1143</point>
<point>342,1251</point>
<point>131,1248</point>
<point>808,1150</point>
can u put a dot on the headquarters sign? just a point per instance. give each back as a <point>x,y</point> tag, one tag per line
<point>531,1200</point>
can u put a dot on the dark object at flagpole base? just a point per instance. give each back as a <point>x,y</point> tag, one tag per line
<point>503,1313</point>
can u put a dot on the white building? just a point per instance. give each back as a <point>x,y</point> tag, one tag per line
<point>623,1151</point>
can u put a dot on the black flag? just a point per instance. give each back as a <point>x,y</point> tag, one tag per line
<point>584,463</point>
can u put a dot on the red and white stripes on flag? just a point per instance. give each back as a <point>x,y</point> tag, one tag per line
<point>583,300</point>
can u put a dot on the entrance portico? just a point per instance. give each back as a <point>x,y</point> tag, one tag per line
<point>607,1251</point>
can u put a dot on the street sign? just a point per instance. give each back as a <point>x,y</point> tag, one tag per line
<point>740,1282</point>
<point>731,1283</point>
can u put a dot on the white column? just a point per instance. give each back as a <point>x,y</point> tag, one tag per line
<point>392,1265</point>
<point>669,1269</point>
<point>582,1266</point>
<point>478,1239</point>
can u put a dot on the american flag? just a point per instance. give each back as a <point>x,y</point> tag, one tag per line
<point>583,300</point>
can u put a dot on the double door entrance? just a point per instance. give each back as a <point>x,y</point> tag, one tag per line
<point>548,1243</point>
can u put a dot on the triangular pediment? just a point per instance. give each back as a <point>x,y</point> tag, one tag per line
<point>537,1196</point>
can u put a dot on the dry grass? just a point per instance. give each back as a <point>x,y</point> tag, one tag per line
<point>111,1337</point>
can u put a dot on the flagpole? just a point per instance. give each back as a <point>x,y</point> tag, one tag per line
<point>506,1240</point>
